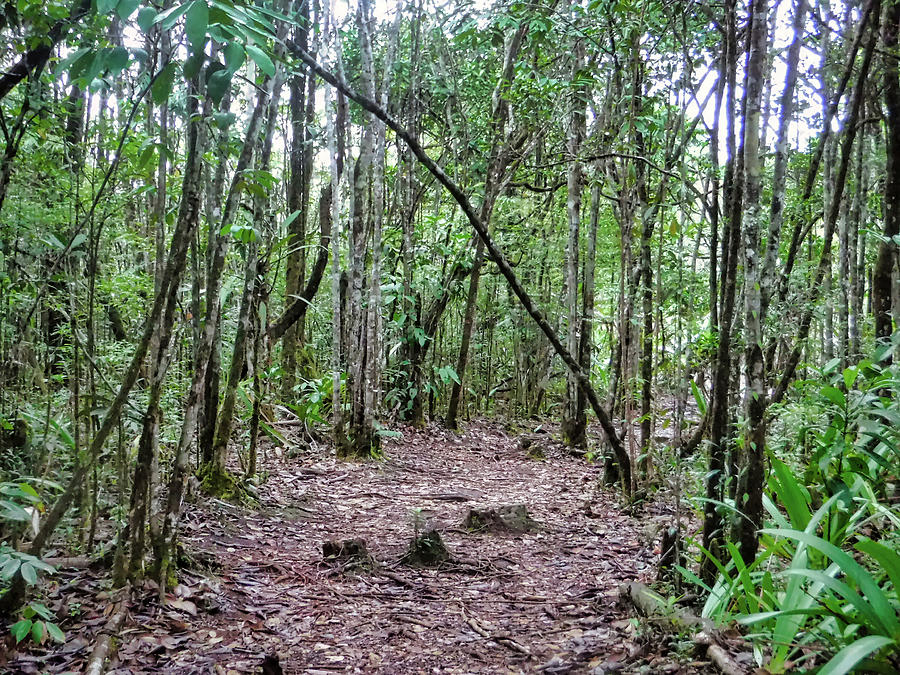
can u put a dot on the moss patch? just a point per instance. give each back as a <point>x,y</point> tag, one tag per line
<point>217,482</point>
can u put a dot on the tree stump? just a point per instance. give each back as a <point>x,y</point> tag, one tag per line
<point>350,553</point>
<point>427,550</point>
<point>533,445</point>
<point>507,518</point>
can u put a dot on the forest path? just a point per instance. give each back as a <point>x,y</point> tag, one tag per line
<point>543,601</point>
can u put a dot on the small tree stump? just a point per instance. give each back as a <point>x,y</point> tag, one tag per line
<point>427,550</point>
<point>533,445</point>
<point>507,518</point>
<point>352,553</point>
<point>668,550</point>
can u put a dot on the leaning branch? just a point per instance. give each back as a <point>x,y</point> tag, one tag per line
<point>36,58</point>
<point>495,253</point>
<point>297,309</point>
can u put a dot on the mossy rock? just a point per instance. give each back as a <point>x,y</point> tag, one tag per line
<point>506,518</point>
<point>350,553</point>
<point>427,550</point>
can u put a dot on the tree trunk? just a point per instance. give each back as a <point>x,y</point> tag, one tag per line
<point>302,108</point>
<point>213,467</point>
<point>251,281</point>
<point>712,517</point>
<point>574,421</point>
<point>497,164</point>
<point>753,477</point>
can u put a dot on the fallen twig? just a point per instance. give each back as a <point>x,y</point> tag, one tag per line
<point>504,640</point>
<point>109,631</point>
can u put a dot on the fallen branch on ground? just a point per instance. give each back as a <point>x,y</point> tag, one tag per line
<point>507,642</point>
<point>103,646</point>
<point>653,605</point>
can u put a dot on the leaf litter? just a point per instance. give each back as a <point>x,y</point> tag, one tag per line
<point>544,600</point>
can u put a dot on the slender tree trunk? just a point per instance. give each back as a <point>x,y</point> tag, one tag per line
<point>753,477</point>
<point>850,129</point>
<point>712,517</point>
<point>586,343</point>
<point>213,469</point>
<point>857,252</point>
<point>251,283</point>
<point>181,237</point>
<point>574,421</point>
<point>302,98</point>
<point>210,395</point>
<point>497,164</point>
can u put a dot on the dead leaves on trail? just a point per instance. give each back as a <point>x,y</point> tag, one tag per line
<point>543,600</point>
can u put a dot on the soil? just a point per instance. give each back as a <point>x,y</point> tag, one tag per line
<point>544,600</point>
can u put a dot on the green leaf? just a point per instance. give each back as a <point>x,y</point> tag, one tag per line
<point>64,65</point>
<point>845,591</point>
<point>847,659</point>
<point>117,60</point>
<point>791,495</point>
<point>698,397</point>
<point>140,55</point>
<point>835,395</point>
<point>25,487</point>
<point>888,559</point>
<point>20,629</point>
<point>162,87</point>
<point>29,574</point>
<point>106,6</point>
<point>11,511</point>
<point>193,65</point>
<point>146,18</point>
<point>261,59</point>
<point>41,610</point>
<point>168,18</point>
<point>850,375</point>
<point>126,8</point>
<point>37,632</point>
<point>196,21</point>
<point>54,631</point>
<point>234,56</point>
<point>10,568</point>
<point>224,120</point>
<point>887,615</point>
<point>217,85</point>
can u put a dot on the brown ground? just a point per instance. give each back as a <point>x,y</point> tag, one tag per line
<point>544,601</point>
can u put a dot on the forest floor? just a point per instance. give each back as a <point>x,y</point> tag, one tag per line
<point>540,601</point>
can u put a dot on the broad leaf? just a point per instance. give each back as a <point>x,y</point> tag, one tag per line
<point>196,21</point>
<point>261,59</point>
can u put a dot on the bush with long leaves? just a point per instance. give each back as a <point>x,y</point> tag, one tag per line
<point>825,587</point>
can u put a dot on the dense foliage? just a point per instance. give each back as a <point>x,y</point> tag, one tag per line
<point>682,216</point>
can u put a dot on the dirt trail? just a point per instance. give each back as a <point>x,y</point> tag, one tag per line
<point>542,601</point>
<point>510,602</point>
